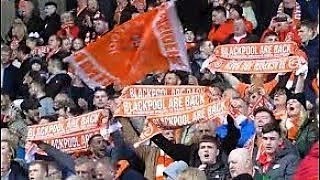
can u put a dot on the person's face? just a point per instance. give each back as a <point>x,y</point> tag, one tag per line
<point>207,47</point>
<point>31,44</point>
<point>100,99</point>
<point>171,79</point>
<point>93,5</point>
<point>169,134</point>
<point>49,10</point>
<point>254,97</point>
<point>5,57</point>
<point>54,173</point>
<point>237,165</point>
<point>240,105</point>
<point>305,33</point>
<point>5,147</point>
<point>189,36</point>
<point>217,17</point>
<point>34,89</point>
<point>204,129</point>
<point>239,28</point>
<point>192,80</point>
<point>66,44</point>
<point>36,67</point>
<point>66,18</point>
<point>100,26</point>
<point>5,164</point>
<point>104,172</point>
<point>83,171</point>
<point>26,8</point>
<point>271,39</point>
<point>271,141</point>
<point>53,43</point>
<point>140,6</point>
<point>260,119</point>
<point>77,44</point>
<point>60,100</point>
<point>234,14</point>
<point>208,152</point>
<point>36,172</point>
<point>98,146</point>
<point>280,98</point>
<point>216,94</point>
<point>293,108</point>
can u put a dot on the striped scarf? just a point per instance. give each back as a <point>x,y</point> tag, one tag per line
<point>163,161</point>
<point>296,14</point>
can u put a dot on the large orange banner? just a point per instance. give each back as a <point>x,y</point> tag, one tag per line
<point>68,135</point>
<point>150,42</point>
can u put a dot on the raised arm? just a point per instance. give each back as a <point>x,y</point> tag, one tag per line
<point>175,151</point>
<point>233,81</point>
<point>62,159</point>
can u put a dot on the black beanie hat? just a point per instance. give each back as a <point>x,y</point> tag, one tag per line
<point>238,9</point>
<point>300,97</point>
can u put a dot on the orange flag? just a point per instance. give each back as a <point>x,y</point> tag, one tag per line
<point>150,42</point>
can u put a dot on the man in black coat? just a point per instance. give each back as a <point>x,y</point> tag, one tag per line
<point>52,21</point>
<point>59,81</point>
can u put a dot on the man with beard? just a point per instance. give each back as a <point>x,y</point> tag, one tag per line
<point>98,147</point>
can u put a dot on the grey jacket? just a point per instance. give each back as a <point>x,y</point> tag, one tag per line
<point>283,167</point>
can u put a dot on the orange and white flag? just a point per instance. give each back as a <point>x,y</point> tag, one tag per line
<point>150,42</point>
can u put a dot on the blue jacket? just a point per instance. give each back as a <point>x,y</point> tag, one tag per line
<point>247,130</point>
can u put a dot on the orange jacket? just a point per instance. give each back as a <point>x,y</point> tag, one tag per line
<point>221,33</point>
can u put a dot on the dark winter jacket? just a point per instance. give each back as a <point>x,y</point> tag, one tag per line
<point>308,134</point>
<point>282,167</point>
<point>17,172</point>
<point>217,171</point>
<point>52,25</point>
<point>58,83</point>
